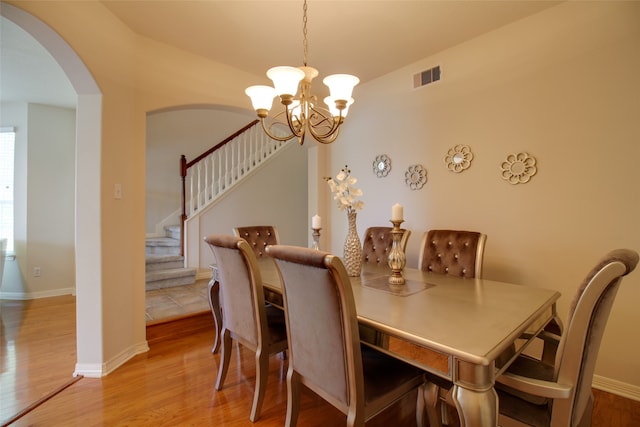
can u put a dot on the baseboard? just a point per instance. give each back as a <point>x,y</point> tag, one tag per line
<point>97,370</point>
<point>618,388</point>
<point>204,274</point>
<point>36,295</point>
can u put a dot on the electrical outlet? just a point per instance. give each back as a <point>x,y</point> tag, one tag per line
<point>36,271</point>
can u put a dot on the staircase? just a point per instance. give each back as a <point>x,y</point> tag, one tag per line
<point>164,264</point>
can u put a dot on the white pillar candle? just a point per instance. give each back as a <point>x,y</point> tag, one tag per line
<point>316,222</point>
<point>396,212</point>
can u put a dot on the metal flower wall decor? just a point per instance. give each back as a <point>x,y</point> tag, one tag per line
<point>458,158</point>
<point>415,177</point>
<point>518,168</point>
<point>382,165</point>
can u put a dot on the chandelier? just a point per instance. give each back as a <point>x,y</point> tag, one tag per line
<point>301,109</point>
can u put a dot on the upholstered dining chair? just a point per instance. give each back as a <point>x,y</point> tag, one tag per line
<point>454,252</point>
<point>533,392</point>
<point>536,393</point>
<point>325,353</point>
<point>247,319</point>
<point>259,237</point>
<point>377,243</point>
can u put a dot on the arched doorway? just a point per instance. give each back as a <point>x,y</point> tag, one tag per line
<point>88,208</point>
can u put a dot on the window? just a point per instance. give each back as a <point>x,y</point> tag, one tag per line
<point>7,143</point>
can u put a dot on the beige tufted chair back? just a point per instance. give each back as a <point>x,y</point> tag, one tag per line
<point>258,237</point>
<point>377,242</point>
<point>453,252</point>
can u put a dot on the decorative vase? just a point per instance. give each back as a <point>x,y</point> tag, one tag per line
<point>352,257</point>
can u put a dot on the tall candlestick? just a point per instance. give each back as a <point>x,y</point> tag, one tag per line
<point>315,234</point>
<point>397,259</point>
<point>397,212</point>
<point>316,222</point>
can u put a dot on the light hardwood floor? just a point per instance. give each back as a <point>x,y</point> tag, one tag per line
<point>171,385</point>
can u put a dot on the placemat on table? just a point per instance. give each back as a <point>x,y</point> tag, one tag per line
<point>410,287</point>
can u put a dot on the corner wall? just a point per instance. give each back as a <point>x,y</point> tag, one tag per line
<point>562,86</point>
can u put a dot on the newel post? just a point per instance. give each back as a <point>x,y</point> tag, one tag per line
<point>183,218</point>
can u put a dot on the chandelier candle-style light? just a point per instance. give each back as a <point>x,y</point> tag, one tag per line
<point>293,86</point>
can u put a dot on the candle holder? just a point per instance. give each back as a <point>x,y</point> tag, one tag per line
<point>316,238</point>
<point>397,258</point>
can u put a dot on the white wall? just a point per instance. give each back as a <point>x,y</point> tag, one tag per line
<point>562,86</point>
<point>44,201</point>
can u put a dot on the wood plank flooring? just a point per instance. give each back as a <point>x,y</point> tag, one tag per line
<point>172,384</point>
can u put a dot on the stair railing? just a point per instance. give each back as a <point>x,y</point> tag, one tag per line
<point>214,172</point>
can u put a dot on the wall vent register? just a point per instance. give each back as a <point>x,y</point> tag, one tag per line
<point>425,77</point>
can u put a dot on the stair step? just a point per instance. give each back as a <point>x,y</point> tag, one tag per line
<point>169,277</point>
<point>172,231</point>
<point>162,241</point>
<point>163,262</point>
<point>162,246</point>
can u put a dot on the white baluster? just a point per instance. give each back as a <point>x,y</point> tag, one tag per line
<point>191,206</point>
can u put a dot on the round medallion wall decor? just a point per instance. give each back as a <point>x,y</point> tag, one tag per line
<point>518,168</point>
<point>382,165</point>
<point>458,158</point>
<point>415,177</point>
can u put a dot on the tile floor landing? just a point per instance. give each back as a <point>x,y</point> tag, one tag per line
<point>177,301</point>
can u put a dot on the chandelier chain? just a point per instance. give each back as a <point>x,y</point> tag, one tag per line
<point>304,32</point>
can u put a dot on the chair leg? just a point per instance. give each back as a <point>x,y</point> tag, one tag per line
<point>225,358</point>
<point>262,369</point>
<point>293,398</point>
<point>420,406</point>
<point>214,304</point>
<point>433,404</point>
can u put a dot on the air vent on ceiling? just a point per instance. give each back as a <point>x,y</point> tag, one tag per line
<point>425,77</point>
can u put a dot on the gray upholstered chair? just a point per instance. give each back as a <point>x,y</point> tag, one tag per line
<point>536,393</point>
<point>325,353</point>
<point>454,252</point>
<point>259,237</point>
<point>533,392</point>
<point>377,243</point>
<point>247,319</point>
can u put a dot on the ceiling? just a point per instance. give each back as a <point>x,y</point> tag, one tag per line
<point>368,38</point>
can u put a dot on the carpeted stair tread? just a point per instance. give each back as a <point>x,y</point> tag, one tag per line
<point>169,273</point>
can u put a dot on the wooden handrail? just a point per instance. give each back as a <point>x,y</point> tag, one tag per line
<point>184,167</point>
<point>218,146</point>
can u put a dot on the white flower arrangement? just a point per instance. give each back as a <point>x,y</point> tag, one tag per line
<point>344,191</point>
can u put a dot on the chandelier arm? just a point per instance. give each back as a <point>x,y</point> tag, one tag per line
<point>326,121</point>
<point>295,130</point>
<point>329,139</point>
<point>271,135</point>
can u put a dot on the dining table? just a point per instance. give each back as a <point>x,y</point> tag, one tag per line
<point>464,330</point>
